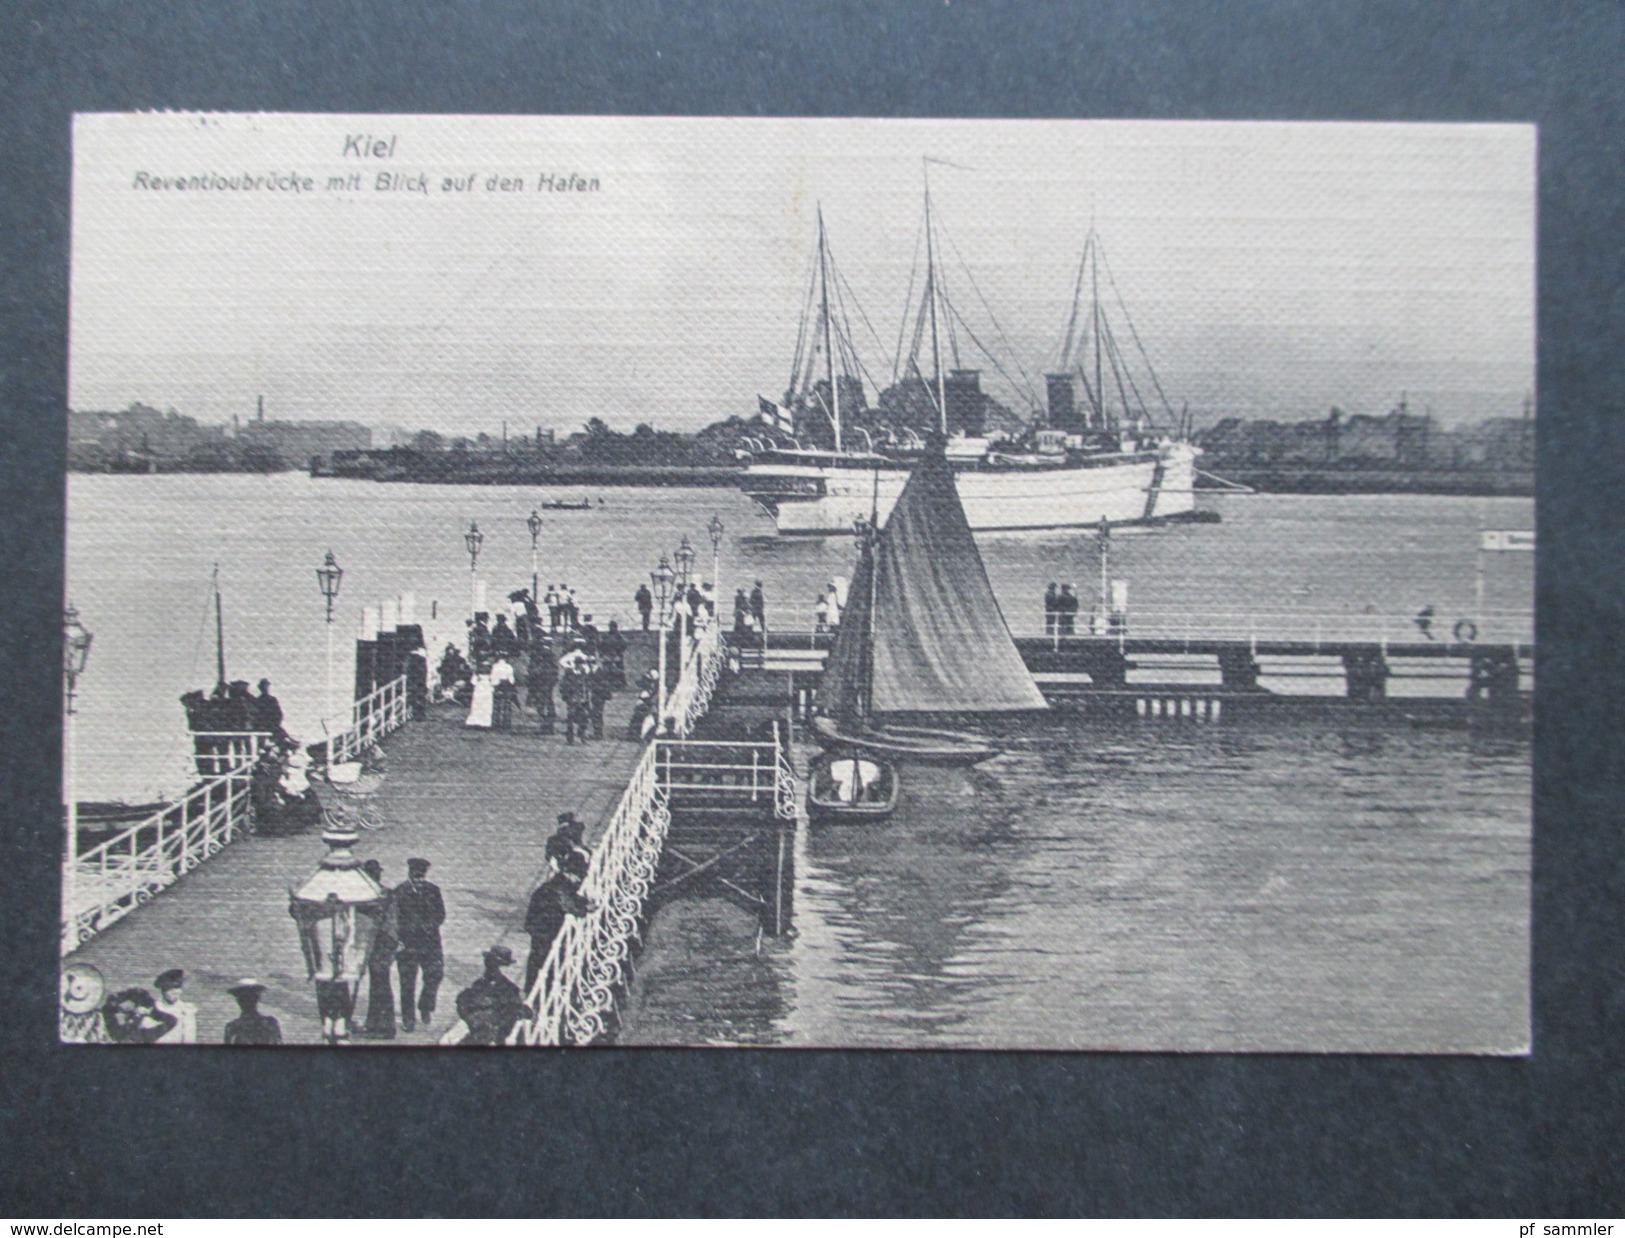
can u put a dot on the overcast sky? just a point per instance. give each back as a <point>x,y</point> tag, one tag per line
<point>1271,269</point>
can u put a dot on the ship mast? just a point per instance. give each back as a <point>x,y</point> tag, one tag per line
<point>931,297</point>
<point>829,332</point>
<point>219,634</point>
<point>1094,268</point>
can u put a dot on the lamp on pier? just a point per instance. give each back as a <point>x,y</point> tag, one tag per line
<point>328,577</point>
<point>473,539</point>
<point>662,579</point>
<point>684,556</point>
<point>534,524</point>
<point>75,653</point>
<point>337,912</point>
<point>715,529</point>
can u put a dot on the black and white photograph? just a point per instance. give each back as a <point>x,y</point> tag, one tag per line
<point>799,583</point>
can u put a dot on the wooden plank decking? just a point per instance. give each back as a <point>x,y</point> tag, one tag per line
<point>479,805</point>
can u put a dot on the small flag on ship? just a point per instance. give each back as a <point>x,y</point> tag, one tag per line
<point>777,414</point>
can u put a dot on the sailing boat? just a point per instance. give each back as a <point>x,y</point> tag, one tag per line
<point>922,635</point>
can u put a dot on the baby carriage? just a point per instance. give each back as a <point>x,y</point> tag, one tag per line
<point>346,790</point>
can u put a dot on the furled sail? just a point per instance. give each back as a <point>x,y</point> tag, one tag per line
<point>922,632</point>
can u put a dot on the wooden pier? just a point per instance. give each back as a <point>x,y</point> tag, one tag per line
<point>1123,675</point>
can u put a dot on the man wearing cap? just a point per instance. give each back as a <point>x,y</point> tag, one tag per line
<point>570,836</point>
<point>492,1004</point>
<point>419,913</point>
<point>557,897</point>
<point>251,1027</point>
<point>170,985</point>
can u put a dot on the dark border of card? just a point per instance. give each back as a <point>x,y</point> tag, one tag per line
<point>720,1133</point>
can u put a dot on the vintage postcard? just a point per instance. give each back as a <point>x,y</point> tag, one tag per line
<point>910,584</point>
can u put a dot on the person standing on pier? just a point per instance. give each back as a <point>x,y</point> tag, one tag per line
<point>492,1004</point>
<point>557,897</point>
<point>645,603</point>
<point>1066,608</point>
<point>576,691</point>
<point>612,645</point>
<point>268,715</point>
<point>250,1027</point>
<point>504,696</point>
<point>551,597</point>
<point>419,913</point>
<point>758,606</point>
<point>541,677</point>
<point>1052,609</point>
<point>598,692</point>
<point>170,985</point>
<point>504,644</point>
<point>380,1022</point>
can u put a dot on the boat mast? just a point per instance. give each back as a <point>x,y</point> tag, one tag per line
<point>219,634</point>
<point>1094,268</point>
<point>931,297</point>
<point>829,332</point>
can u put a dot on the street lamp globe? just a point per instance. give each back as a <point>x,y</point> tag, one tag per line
<point>75,646</point>
<point>473,539</point>
<point>534,524</point>
<point>685,562</point>
<point>328,577</point>
<point>715,529</point>
<point>661,578</point>
<point>337,912</point>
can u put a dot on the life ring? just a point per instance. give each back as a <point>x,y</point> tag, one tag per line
<point>1465,631</point>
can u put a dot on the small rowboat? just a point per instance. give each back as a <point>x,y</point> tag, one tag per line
<point>850,787</point>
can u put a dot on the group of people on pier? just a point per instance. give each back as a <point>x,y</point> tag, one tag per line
<point>566,660</point>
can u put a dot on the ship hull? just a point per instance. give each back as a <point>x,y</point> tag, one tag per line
<point>817,499</point>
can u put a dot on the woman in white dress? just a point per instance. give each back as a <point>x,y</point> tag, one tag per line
<point>479,710</point>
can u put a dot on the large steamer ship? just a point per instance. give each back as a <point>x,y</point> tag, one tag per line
<point>825,459</point>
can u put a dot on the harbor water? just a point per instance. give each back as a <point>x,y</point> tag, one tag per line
<point>1322,884</point>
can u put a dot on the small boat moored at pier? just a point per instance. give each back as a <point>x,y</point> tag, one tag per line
<point>850,786</point>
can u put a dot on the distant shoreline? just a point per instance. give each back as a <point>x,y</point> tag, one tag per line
<point>1480,483</point>
<point>1490,483</point>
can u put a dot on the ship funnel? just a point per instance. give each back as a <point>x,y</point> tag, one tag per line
<point>962,393</point>
<point>1063,404</point>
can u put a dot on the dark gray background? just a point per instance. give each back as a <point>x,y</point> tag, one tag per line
<point>137,1134</point>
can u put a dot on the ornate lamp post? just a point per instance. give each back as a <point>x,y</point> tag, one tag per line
<point>684,556</point>
<point>534,524</point>
<point>661,578</point>
<point>328,576</point>
<point>715,529</point>
<point>75,652</point>
<point>473,539</point>
<point>336,912</point>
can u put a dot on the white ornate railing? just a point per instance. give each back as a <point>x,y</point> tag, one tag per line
<point>575,988</point>
<point>115,877</point>
<point>371,718</point>
<point>702,666</point>
<point>221,752</point>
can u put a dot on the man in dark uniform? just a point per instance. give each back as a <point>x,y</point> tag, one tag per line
<point>576,690</point>
<point>758,606</point>
<point>268,715</point>
<point>419,913</point>
<point>645,602</point>
<point>598,692</point>
<point>251,1027</point>
<point>1052,608</point>
<point>541,677</point>
<point>492,1004</point>
<point>557,897</point>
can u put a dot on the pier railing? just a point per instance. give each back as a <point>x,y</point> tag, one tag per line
<point>115,877</point>
<point>221,752</point>
<point>572,1000</point>
<point>374,716</point>
<point>575,989</point>
<point>1185,626</point>
<point>702,666</point>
